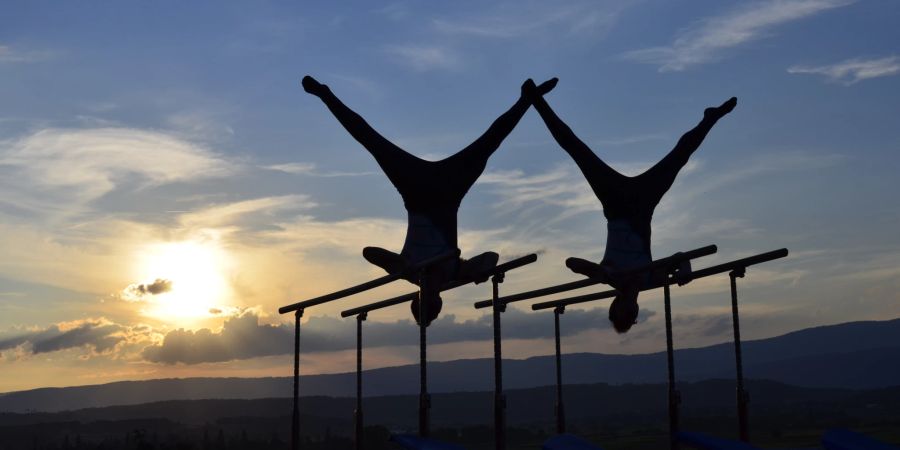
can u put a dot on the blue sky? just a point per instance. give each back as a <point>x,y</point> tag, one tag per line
<point>146,141</point>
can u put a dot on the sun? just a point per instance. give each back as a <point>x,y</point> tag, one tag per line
<point>197,272</point>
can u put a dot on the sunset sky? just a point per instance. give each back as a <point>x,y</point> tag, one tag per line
<point>166,184</point>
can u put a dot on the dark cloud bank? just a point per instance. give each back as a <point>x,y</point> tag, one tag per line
<point>99,335</point>
<point>244,337</point>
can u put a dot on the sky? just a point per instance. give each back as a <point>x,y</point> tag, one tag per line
<point>166,184</point>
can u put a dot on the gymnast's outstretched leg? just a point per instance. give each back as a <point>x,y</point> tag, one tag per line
<point>604,180</point>
<point>393,160</point>
<point>469,163</point>
<point>608,185</point>
<point>397,164</point>
<point>657,180</point>
<point>651,186</point>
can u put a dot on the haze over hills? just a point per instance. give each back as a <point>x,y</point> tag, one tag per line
<point>853,355</point>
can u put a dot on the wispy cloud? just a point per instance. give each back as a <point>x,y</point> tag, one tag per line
<point>562,186</point>
<point>517,19</point>
<point>708,39</point>
<point>309,169</point>
<point>424,58</point>
<point>10,56</point>
<point>231,214</point>
<point>853,70</point>
<point>71,167</point>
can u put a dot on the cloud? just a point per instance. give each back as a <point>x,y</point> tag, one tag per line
<point>707,40</point>
<point>854,70</point>
<point>231,214</point>
<point>243,337</point>
<point>309,169</point>
<point>101,336</point>
<point>10,56</point>
<point>137,292</point>
<point>561,186</point>
<point>523,19</point>
<point>424,58</point>
<point>67,168</point>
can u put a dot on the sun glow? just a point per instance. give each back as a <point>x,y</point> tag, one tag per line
<point>197,272</point>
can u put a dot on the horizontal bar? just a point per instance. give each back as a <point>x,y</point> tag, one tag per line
<point>669,260</point>
<point>369,284</point>
<point>738,264</point>
<point>579,299</point>
<point>501,268</point>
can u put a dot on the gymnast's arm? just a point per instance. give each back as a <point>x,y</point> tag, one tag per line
<point>352,122</point>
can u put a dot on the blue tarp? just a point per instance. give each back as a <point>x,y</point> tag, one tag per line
<point>840,439</point>
<point>568,442</point>
<point>706,442</point>
<point>413,442</point>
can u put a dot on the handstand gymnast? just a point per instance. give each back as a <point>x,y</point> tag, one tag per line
<point>432,192</point>
<point>628,204</point>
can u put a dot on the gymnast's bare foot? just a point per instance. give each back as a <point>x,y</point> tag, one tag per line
<point>530,91</point>
<point>717,113</point>
<point>547,86</point>
<point>312,86</point>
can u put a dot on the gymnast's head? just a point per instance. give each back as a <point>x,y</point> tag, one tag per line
<point>623,311</point>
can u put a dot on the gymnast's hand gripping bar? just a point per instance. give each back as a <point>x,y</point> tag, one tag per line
<point>499,269</point>
<point>369,284</point>
<point>667,261</point>
<point>738,265</point>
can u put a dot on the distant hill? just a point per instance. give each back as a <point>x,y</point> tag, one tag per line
<point>604,413</point>
<point>857,355</point>
<point>584,402</point>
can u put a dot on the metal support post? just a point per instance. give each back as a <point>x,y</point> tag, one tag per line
<point>499,399</point>
<point>295,418</point>
<point>424,398</point>
<point>674,396</point>
<point>358,413</point>
<point>560,409</point>
<point>742,397</point>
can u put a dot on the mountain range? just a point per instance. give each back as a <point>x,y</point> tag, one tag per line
<point>855,355</point>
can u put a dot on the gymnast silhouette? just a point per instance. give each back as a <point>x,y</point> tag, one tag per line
<point>628,204</point>
<point>432,192</point>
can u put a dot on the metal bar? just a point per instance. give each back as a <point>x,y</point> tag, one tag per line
<point>697,274</point>
<point>560,409</point>
<point>499,398</point>
<point>740,263</point>
<point>424,400</point>
<point>667,261</point>
<point>295,417</point>
<point>358,414</point>
<point>501,268</point>
<point>674,399</point>
<point>570,286</point>
<point>367,285</point>
<point>742,397</point>
<point>577,299</point>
